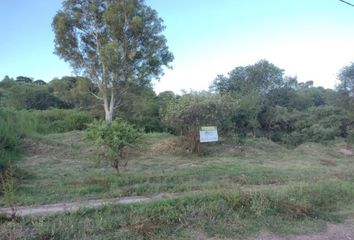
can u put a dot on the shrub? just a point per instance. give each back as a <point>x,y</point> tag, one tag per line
<point>114,136</point>
<point>77,121</point>
<point>60,120</point>
<point>14,125</point>
<point>188,113</point>
<point>319,124</point>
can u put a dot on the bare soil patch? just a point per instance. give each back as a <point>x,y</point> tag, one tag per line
<point>343,231</point>
<point>346,152</point>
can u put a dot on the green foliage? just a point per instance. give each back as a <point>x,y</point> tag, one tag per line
<point>284,110</point>
<point>61,120</point>
<point>275,121</point>
<point>346,78</point>
<point>77,121</point>
<point>319,124</point>
<point>29,95</point>
<point>261,77</point>
<point>283,96</point>
<point>114,136</point>
<point>139,106</point>
<point>306,97</point>
<point>186,114</point>
<point>345,88</point>
<point>14,125</point>
<point>76,91</point>
<point>22,79</point>
<point>244,120</point>
<point>120,42</point>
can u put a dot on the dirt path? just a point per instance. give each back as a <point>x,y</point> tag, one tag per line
<point>50,209</point>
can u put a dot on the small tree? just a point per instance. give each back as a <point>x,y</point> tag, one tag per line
<point>111,41</point>
<point>114,136</point>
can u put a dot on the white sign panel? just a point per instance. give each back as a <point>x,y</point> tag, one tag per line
<point>208,134</point>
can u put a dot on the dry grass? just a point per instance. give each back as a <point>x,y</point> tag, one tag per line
<point>283,190</point>
<point>67,167</point>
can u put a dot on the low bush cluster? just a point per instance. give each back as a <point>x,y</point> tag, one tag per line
<point>113,136</point>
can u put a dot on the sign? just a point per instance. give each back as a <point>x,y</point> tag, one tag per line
<point>208,134</point>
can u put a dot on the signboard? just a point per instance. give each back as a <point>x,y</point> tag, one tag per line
<point>208,134</point>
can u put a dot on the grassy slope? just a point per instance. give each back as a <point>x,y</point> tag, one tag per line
<point>238,190</point>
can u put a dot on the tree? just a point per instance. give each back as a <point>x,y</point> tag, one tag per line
<point>7,79</point>
<point>113,136</point>
<point>39,82</point>
<point>75,91</point>
<point>261,77</point>
<point>275,121</point>
<point>140,107</point>
<point>22,79</point>
<point>346,78</point>
<point>111,41</point>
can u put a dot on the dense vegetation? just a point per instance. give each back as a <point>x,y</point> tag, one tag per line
<point>251,101</point>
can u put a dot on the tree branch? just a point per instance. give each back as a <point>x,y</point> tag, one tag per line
<point>350,4</point>
<point>117,104</point>
<point>96,96</point>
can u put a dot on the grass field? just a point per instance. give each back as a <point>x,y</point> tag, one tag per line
<point>228,190</point>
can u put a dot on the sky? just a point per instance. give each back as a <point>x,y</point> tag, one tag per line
<point>310,39</point>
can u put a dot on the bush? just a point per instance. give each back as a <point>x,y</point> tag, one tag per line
<point>319,124</point>
<point>77,121</point>
<point>60,120</point>
<point>14,125</point>
<point>114,136</point>
<point>188,113</point>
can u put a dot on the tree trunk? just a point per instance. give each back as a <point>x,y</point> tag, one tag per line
<point>108,106</point>
<point>108,116</point>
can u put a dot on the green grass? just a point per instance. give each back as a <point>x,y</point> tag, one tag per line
<point>239,215</point>
<point>229,190</point>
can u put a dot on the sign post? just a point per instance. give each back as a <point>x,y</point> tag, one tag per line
<point>208,134</point>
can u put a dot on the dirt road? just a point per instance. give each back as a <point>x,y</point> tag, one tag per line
<point>50,209</point>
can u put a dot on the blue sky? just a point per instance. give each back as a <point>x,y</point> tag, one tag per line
<point>311,39</point>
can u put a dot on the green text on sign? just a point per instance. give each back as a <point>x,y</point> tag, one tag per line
<point>210,128</point>
<point>208,134</point>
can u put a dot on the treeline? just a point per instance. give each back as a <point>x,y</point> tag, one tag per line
<point>260,101</point>
<point>30,107</point>
<point>58,98</point>
<point>256,100</point>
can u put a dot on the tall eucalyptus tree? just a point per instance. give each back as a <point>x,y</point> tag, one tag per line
<point>111,42</point>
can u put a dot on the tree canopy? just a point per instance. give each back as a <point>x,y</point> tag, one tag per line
<point>261,77</point>
<point>111,41</point>
<point>346,78</point>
